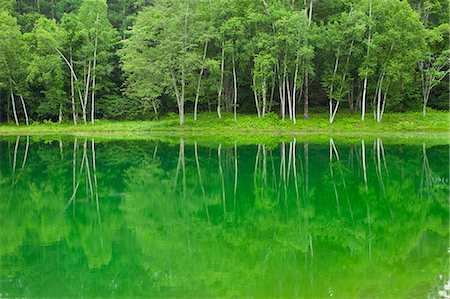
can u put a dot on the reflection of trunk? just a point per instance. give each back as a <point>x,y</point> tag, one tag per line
<point>336,194</point>
<point>26,152</point>
<point>201,181</point>
<point>179,164</point>
<point>306,153</point>
<point>294,169</point>
<point>264,166</point>
<point>94,168</point>
<point>219,150</point>
<point>61,150</point>
<point>16,147</point>
<point>377,146</point>
<point>369,227</point>
<point>426,172</point>
<point>74,171</point>
<point>255,171</point>
<point>155,151</point>
<point>363,156</point>
<point>235,175</point>
<point>289,162</point>
<point>183,166</point>
<point>83,161</point>
<point>283,171</point>
<point>88,171</point>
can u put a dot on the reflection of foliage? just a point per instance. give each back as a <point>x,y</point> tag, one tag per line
<point>283,235</point>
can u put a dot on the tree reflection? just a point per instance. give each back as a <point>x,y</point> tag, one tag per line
<point>159,220</point>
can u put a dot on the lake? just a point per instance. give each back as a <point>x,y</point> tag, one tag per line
<point>146,218</point>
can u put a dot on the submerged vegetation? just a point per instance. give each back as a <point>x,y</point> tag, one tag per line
<point>82,60</point>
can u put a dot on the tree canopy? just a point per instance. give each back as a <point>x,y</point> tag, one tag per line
<point>76,61</point>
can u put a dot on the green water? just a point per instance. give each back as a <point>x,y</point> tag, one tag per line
<point>128,219</point>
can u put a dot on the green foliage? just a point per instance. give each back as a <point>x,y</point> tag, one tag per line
<point>152,57</point>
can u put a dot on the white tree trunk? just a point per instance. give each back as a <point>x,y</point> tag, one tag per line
<point>72,90</point>
<point>93,74</point>
<point>13,102</point>
<point>363,104</point>
<point>197,93</point>
<point>235,88</point>
<point>24,110</point>
<point>222,69</point>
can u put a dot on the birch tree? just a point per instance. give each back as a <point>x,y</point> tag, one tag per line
<point>398,45</point>
<point>13,59</point>
<point>96,51</point>
<point>46,70</point>
<point>436,64</point>
<point>343,43</point>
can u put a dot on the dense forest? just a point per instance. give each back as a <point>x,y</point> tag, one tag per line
<point>80,60</point>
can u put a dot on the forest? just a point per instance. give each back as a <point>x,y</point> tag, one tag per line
<point>76,61</point>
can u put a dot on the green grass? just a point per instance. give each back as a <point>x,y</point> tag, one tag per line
<point>401,125</point>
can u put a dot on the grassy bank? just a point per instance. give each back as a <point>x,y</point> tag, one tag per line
<point>396,123</point>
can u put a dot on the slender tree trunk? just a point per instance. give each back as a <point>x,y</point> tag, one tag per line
<point>288,90</point>
<point>93,74</point>
<point>72,72</point>
<point>380,92</point>
<point>363,103</point>
<point>178,96</point>
<point>264,97</point>
<point>235,87</point>
<point>86,93</point>
<point>336,64</point>
<point>294,93</point>
<point>306,103</point>
<point>24,110</point>
<point>13,102</point>
<point>202,69</point>
<point>255,94</point>
<point>183,88</point>
<point>222,69</point>
<point>60,116</point>
<point>272,93</point>
<point>72,90</point>
<point>282,89</point>
<point>350,100</point>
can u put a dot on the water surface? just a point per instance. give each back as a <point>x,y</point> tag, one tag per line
<point>81,218</point>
